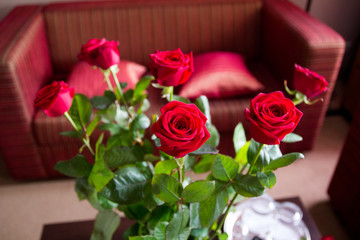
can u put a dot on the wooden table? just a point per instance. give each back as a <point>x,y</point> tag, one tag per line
<point>82,230</point>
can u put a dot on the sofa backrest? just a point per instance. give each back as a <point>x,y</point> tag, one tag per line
<point>143,26</point>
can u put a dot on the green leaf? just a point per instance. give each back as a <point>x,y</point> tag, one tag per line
<point>161,213</point>
<point>267,179</point>
<point>127,187</point>
<point>205,149</point>
<point>165,167</point>
<point>136,211</point>
<point>198,191</point>
<point>248,186</point>
<point>223,236</point>
<point>91,127</point>
<point>159,231</point>
<point>140,122</point>
<point>128,96</point>
<point>78,166</point>
<point>204,214</point>
<point>131,231</point>
<point>146,237</point>
<point>101,102</point>
<point>166,188</point>
<point>214,136</point>
<point>176,227</point>
<point>106,223</point>
<point>181,99</point>
<point>80,110</point>
<point>189,162</point>
<point>241,155</point>
<point>283,161</point>
<point>292,137</point>
<point>239,138</point>
<point>100,174</point>
<point>204,165</point>
<point>224,168</point>
<point>150,200</point>
<point>273,151</point>
<point>263,158</point>
<point>141,85</point>
<point>145,105</point>
<point>73,134</point>
<point>199,232</point>
<point>119,156</point>
<point>106,203</point>
<point>202,103</point>
<point>85,191</point>
<point>111,127</point>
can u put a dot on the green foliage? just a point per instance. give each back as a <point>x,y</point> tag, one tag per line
<point>224,168</point>
<point>151,187</point>
<point>198,191</point>
<point>78,167</point>
<point>167,188</point>
<point>106,223</point>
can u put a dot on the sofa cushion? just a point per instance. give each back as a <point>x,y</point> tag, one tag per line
<point>220,75</point>
<point>90,81</point>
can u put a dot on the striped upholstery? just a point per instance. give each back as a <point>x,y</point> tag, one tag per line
<point>292,36</point>
<point>25,67</point>
<point>142,28</point>
<point>36,41</point>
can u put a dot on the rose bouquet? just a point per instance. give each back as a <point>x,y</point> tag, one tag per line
<point>145,178</point>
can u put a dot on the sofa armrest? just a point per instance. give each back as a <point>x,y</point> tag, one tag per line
<point>290,36</point>
<point>293,36</point>
<point>24,68</point>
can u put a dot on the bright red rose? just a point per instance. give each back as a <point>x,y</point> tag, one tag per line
<point>308,82</point>
<point>100,53</point>
<point>272,117</point>
<point>180,128</point>
<point>55,98</point>
<point>171,68</point>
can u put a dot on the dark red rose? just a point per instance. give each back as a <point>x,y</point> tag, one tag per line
<point>272,117</point>
<point>308,82</point>
<point>100,53</point>
<point>180,128</point>
<point>55,98</point>
<point>171,68</point>
<point>327,238</point>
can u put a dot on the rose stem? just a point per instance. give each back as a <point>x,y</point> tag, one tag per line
<point>256,158</point>
<point>224,217</point>
<point>107,79</point>
<point>120,90</point>
<point>171,93</point>
<point>86,141</point>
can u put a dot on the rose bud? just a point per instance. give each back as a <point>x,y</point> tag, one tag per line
<point>100,53</point>
<point>180,128</point>
<point>171,68</point>
<point>55,98</point>
<point>308,82</point>
<point>272,117</point>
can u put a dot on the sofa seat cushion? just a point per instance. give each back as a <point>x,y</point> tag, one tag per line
<point>220,75</point>
<point>88,81</point>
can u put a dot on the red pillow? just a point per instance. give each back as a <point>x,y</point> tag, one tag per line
<point>219,75</point>
<point>90,81</point>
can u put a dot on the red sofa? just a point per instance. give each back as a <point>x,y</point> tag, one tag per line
<point>40,43</point>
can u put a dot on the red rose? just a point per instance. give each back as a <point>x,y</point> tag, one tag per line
<point>100,53</point>
<point>55,98</point>
<point>327,238</point>
<point>180,128</point>
<point>308,82</point>
<point>272,117</point>
<point>171,68</point>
